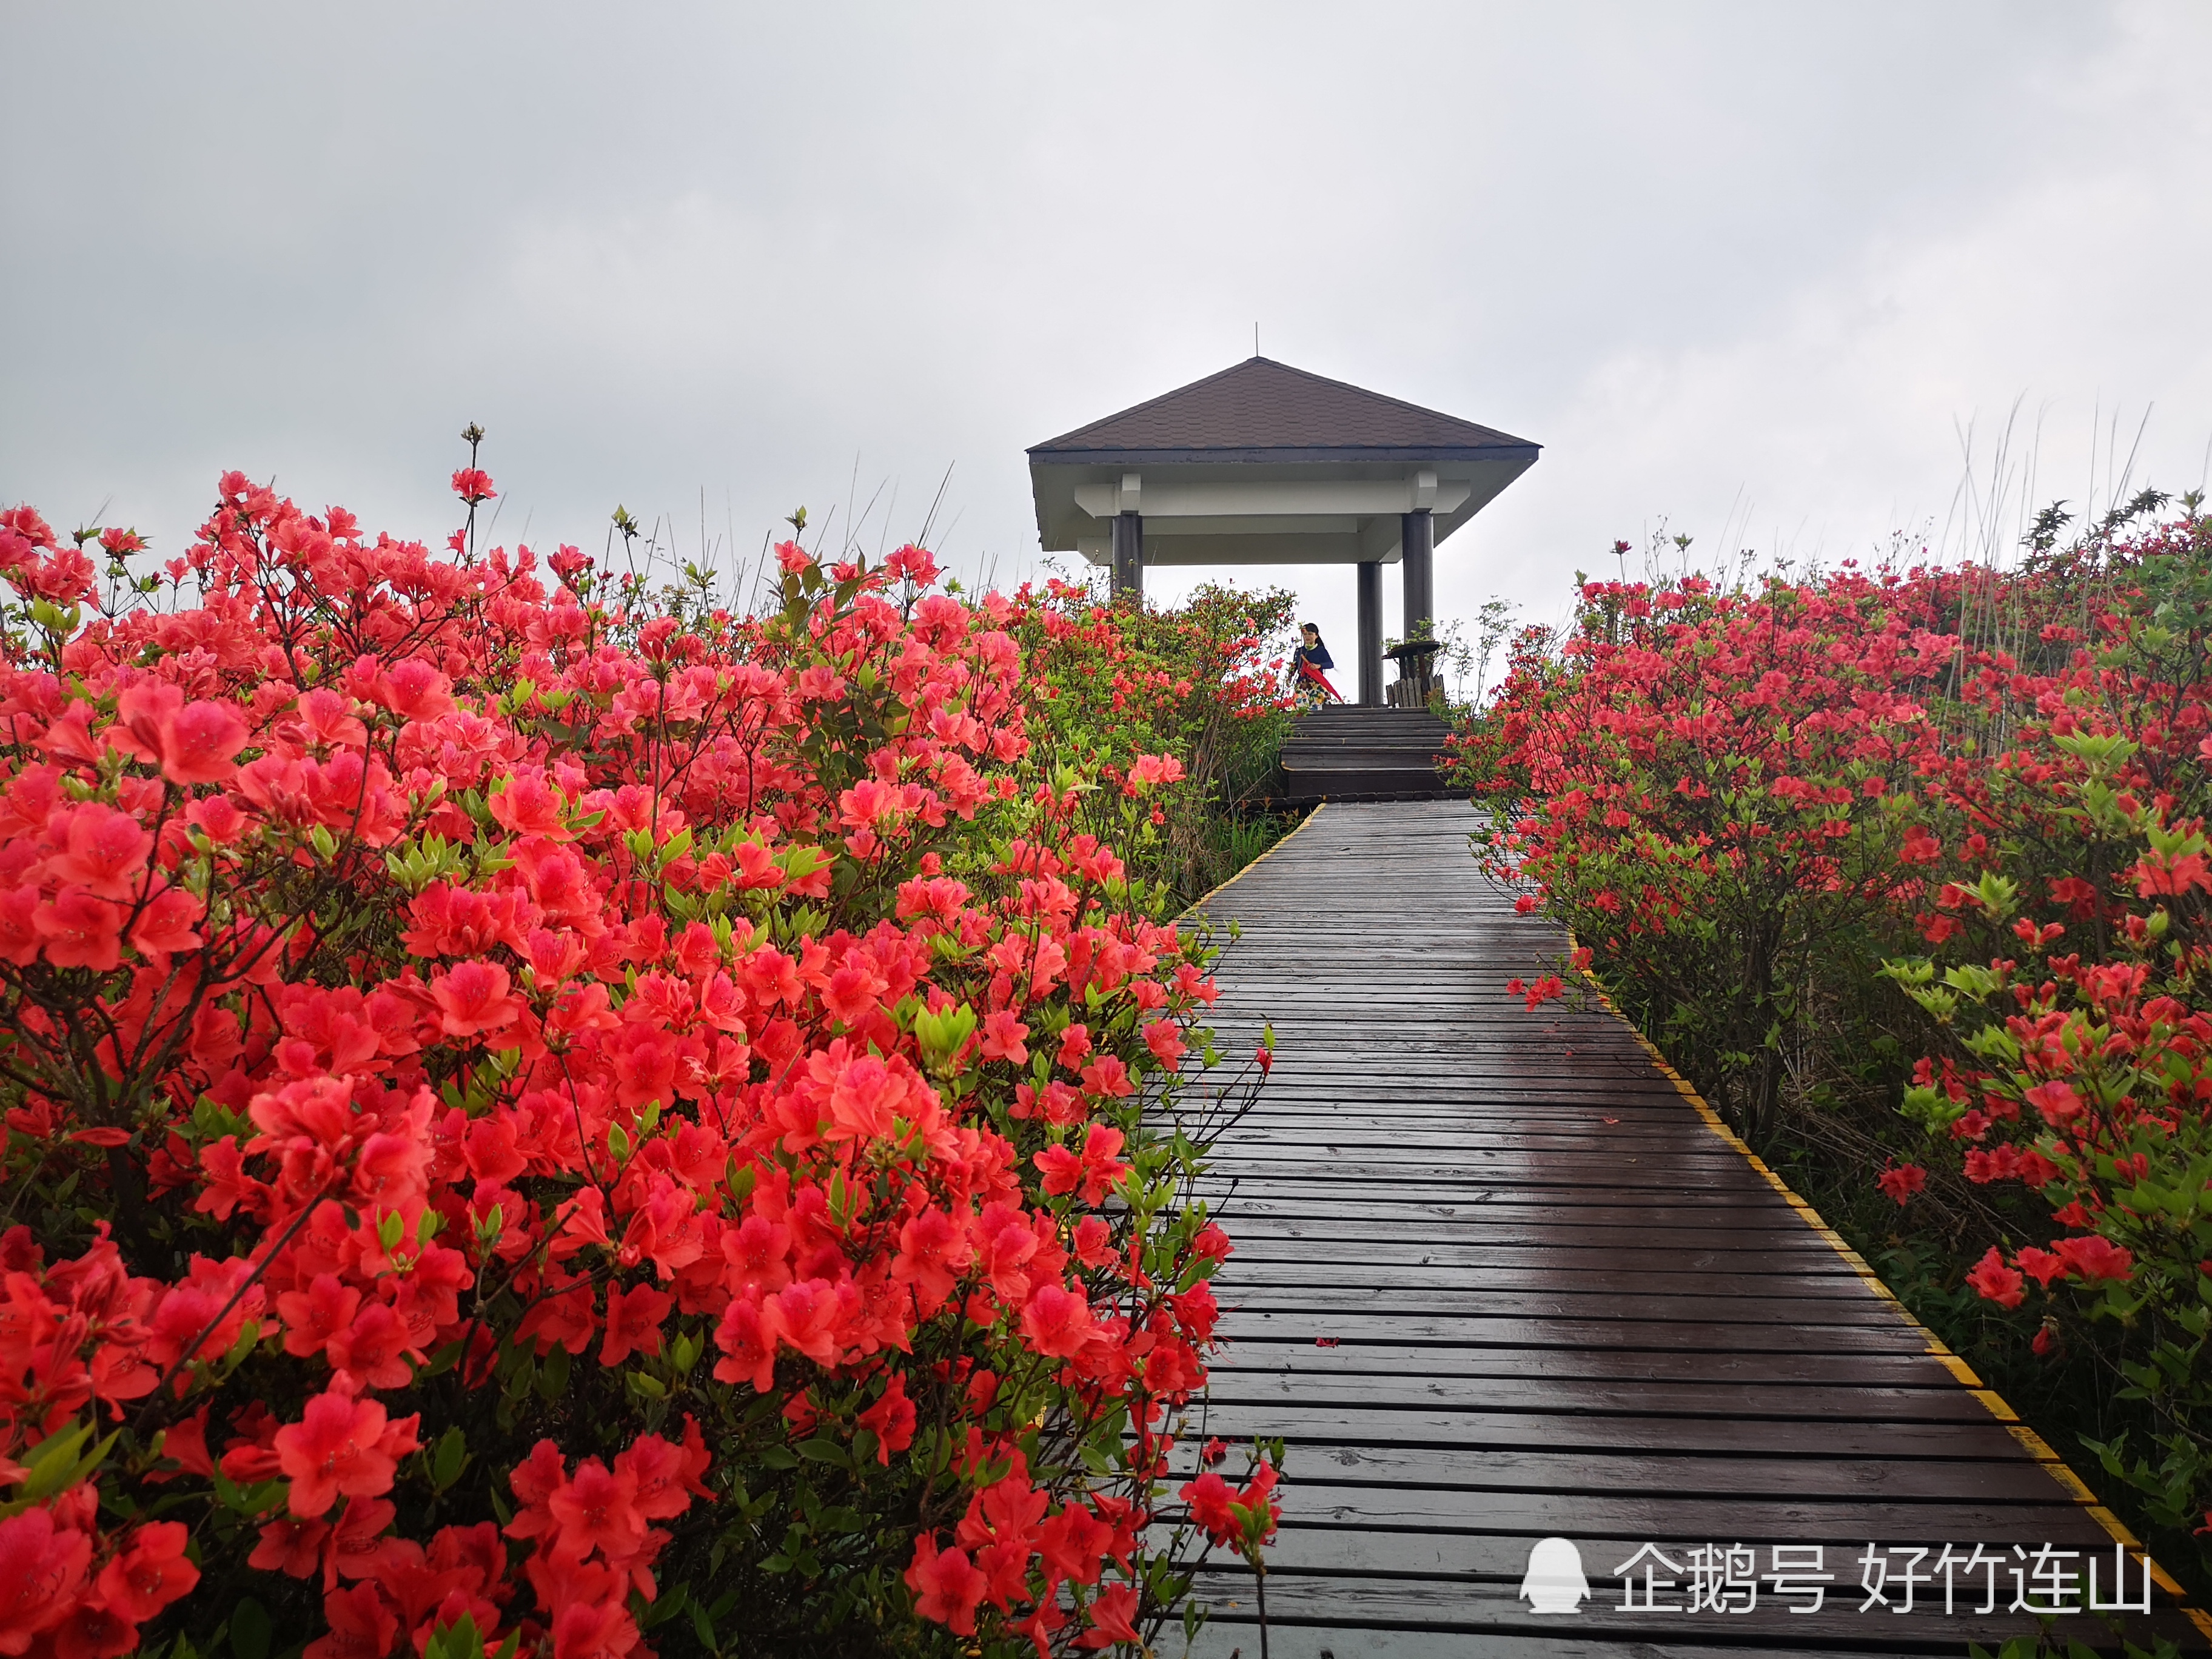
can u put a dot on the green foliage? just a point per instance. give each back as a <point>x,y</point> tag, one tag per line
<point>1909,872</point>
<point>1195,682</point>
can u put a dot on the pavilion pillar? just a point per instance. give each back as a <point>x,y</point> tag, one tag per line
<point>1129,554</point>
<point>1417,537</point>
<point>1371,632</point>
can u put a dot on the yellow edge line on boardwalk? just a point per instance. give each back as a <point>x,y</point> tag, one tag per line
<point>1209,892</point>
<point>2034,1443</point>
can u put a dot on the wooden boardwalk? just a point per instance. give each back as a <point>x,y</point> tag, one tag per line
<point>1497,1279</point>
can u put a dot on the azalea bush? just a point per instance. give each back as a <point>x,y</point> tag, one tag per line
<point>1198,684</point>
<point>2066,972</point>
<point>1712,786</point>
<point>536,1123</point>
<point>1909,870</point>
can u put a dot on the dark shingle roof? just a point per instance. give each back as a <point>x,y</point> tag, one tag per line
<point>1262,405</point>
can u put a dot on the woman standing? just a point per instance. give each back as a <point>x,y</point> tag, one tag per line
<point>1310,686</point>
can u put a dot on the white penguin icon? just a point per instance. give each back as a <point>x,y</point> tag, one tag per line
<point>1554,1581</point>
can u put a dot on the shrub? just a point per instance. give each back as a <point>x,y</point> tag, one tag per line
<point>534,1122</point>
<point>1809,831</point>
<point>2069,986</point>
<point>1116,683</point>
<point>1709,788</point>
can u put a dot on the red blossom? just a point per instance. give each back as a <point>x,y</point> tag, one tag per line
<point>2057,1102</point>
<point>473,998</point>
<point>42,1572</point>
<point>1210,1498</point>
<point>340,1447</point>
<point>946,1586</point>
<point>633,1320</point>
<point>1900,1182</point>
<point>891,1420</point>
<point>500,972</point>
<point>1113,1613</point>
<point>597,1509</point>
<point>2094,1257</point>
<point>149,1572</point>
<point>2000,1284</point>
<point>1057,1320</point>
<point>361,1625</point>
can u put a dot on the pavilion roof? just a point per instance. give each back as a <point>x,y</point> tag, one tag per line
<point>1263,410</point>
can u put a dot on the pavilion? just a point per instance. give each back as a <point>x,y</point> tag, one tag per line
<point>1264,464</point>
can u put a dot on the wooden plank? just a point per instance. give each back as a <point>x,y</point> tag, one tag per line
<point>1744,1224</point>
<point>1589,1203</point>
<point>1531,1174</point>
<point>1767,1520</point>
<point>1648,1335</point>
<point>1726,1304</point>
<point>1233,1636</point>
<point>1475,1474</point>
<point>1782,1400</point>
<point>1614,1134</point>
<point>1305,1421</point>
<point>1473,1237</point>
<point>1505,1123</point>
<point>1287,1352</point>
<point>1412,1270</point>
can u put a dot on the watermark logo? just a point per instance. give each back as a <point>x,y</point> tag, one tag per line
<point>1554,1581</point>
<point>1896,1578</point>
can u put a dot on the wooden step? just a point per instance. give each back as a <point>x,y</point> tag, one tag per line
<point>1377,784</point>
<point>1356,753</point>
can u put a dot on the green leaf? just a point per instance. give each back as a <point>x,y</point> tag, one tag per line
<point>444,1360</point>
<point>553,1374</point>
<point>821,1450</point>
<point>450,1458</point>
<point>55,1465</point>
<point>459,1640</point>
<point>249,1629</point>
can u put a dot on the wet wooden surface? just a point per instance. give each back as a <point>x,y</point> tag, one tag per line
<point>1496,1280</point>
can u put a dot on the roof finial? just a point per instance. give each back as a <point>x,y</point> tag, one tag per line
<point>1256,337</point>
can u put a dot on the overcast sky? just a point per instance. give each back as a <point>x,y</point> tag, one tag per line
<point>1749,268</point>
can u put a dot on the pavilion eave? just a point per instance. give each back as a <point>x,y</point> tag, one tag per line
<point>1279,513</point>
<point>1315,457</point>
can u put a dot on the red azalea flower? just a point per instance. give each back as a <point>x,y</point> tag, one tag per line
<point>946,1586</point>
<point>338,1448</point>
<point>1901,1180</point>
<point>149,1572</point>
<point>2095,1258</point>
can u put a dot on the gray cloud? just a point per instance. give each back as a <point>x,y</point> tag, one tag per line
<point>1745,266</point>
